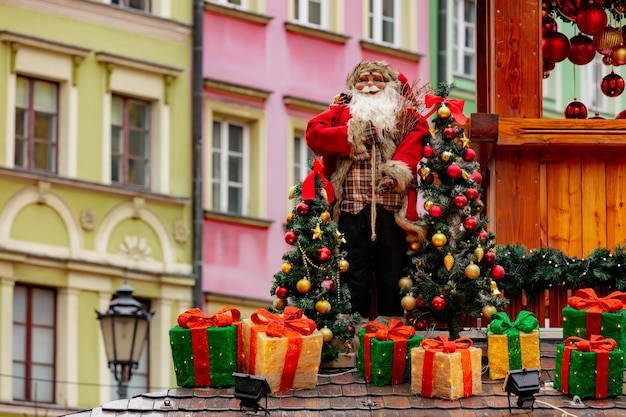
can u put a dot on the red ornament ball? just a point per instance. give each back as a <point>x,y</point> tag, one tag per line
<point>351,329</point>
<point>438,303</point>
<point>453,171</point>
<point>470,223</point>
<point>621,115</point>
<point>472,193</point>
<point>612,85</point>
<point>497,272</point>
<point>282,292</point>
<point>428,151</point>
<point>575,110</point>
<point>435,211</point>
<point>477,177</point>
<point>291,237</point>
<point>419,325</point>
<point>469,154</point>
<point>328,285</point>
<point>591,19</point>
<point>449,133</point>
<point>548,25</point>
<point>490,257</point>
<point>428,179</point>
<point>302,208</point>
<point>324,253</point>
<point>555,47</point>
<point>460,201</point>
<point>582,51</point>
<point>484,235</point>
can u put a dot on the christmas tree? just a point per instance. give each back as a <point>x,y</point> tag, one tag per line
<point>456,270</point>
<point>309,278</point>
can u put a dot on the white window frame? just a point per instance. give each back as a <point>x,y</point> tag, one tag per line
<point>461,26</point>
<point>375,16</point>
<point>301,156</point>
<point>222,183</point>
<point>303,13</point>
<point>245,4</point>
<point>589,84</point>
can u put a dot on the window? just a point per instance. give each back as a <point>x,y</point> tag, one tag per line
<point>591,94</point>
<point>34,329</point>
<point>230,167</point>
<point>241,4</point>
<point>465,35</point>
<point>36,124</point>
<point>383,21</point>
<point>302,155</point>
<point>311,12</point>
<point>143,5</point>
<point>130,141</point>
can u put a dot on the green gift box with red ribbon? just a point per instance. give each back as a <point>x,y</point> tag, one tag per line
<point>206,349</point>
<point>384,353</point>
<point>588,314</point>
<point>589,368</point>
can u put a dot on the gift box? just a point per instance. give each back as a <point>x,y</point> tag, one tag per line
<point>285,348</point>
<point>383,356</point>
<point>446,369</point>
<point>587,314</point>
<point>512,345</point>
<point>206,349</point>
<point>589,368</point>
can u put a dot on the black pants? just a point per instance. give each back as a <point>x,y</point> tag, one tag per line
<point>382,262</point>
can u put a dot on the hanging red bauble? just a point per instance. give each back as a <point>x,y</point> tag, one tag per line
<point>621,115</point>
<point>428,151</point>
<point>581,51</point>
<point>483,234</point>
<point>438,303</point>
<point>618,57</point>
<point>591,19</point>
<point>302,208</point>
<point>454,171</point>
<point>497,272</point>
<point>570,8</point>
<point>607,60</point>
<point>612,85</point>
<point>469,154</point>
<point>419,325</point>
<point>490,257</point>
<point>460,201</point>
<point>555,46</point>
<point>324,253</point>
<point>435,211</point>
<point>548,25</point>
<point>605,41</point>
<point>575,110</point>
<point>328,285</point>
<point>477,177</point>
<point>291,237</point>
<point>428,179</point>
<point>449,133</point>
<point>548,66</point>
<point>470,223</point>
<point>472,193</point>
<point>282,292</point>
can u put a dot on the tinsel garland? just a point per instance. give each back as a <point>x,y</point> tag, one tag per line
<point>532,272</point>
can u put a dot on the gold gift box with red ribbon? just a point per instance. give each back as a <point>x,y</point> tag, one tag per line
<point>446,368</point>
<point>285,349</point>
<point>206,349</point>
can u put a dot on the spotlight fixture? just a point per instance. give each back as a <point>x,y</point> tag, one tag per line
<point>525,384</point>
<point>249,389</point>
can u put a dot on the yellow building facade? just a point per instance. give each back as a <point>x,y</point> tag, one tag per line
<point>95,191</point>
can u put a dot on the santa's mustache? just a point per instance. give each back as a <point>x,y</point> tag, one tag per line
<point>370,89</point>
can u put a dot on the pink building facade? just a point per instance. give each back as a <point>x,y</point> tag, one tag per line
<point>269,66</point>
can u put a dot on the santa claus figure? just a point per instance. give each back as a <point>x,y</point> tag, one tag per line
<point>370,142</point>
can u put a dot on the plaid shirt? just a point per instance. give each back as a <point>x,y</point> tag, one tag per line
<point>357,188</point>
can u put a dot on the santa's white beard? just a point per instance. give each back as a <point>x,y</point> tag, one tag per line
<point>379,108</point>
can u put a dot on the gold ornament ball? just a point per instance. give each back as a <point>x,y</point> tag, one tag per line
<point>408,302</point>
<point>327,334</point>
<point>415,246</point>
<point>325,216</point>
<point>289,217</point>
<point>322,307</point>
<point>439,239</point>
<point>343,265</point>
<point>472,271</point>
<point>428,204</point>
<point>446,155</point>
<point>303,286</point>
<point>279,303</point>
<point>489,311</point>
<point>405,282</point>
<point>444,111</point>
<point>292,192</point>
<point>286,267</point>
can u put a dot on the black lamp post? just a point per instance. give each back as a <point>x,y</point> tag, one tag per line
<point>124,328</point>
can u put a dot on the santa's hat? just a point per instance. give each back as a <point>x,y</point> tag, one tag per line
<point>381,67</point>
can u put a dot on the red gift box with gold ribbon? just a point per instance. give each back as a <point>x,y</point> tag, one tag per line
<point>285,348</point>
<point>446,368</point>
<point>383,356</point>
<point>206,349</point>
<point>589,368</point>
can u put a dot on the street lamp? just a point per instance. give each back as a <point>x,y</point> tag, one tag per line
<point>124,328</point>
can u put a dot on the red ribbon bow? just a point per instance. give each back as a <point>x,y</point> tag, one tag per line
<point>587,298</point>
<point>455,105</point>
<point>308,185</point>
<point>443,344</point>
<point>596,344</point>
<point>196,319</point>
<point>394,331</point>
<point>279,325</point>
